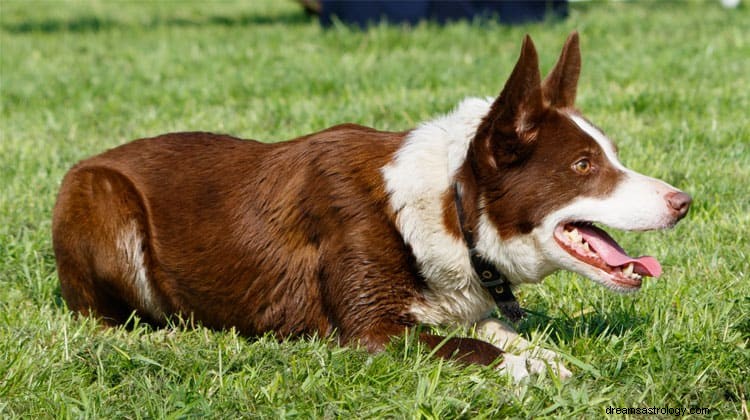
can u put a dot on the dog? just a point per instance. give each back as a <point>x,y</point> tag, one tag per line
<point>363,234</point>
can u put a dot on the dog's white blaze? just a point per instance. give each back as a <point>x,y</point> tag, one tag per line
<point>604,142</point>
<point>637,203</point>
<point>421,172</point>
<point>130,243</point>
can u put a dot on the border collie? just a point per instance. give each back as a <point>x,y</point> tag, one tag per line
<point>364,234</point>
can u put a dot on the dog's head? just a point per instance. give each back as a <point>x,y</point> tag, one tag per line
<point>546,177</point>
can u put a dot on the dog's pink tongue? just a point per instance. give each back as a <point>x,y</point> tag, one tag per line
<point>612,254</point>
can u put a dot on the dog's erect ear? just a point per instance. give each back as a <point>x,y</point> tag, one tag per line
<point>515,113</point>
<point>520,102</point>
<point>561,83</point>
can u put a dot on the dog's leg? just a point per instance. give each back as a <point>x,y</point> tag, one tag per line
<point>533,357</point>
<point>462,349</point>
<point>98,238</point>
<point>473,351</point>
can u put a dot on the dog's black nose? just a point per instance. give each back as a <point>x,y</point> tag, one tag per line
<point>679,202</point>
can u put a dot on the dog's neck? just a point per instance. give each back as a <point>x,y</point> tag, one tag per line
<point>419,180</point>
<point>492,279</point>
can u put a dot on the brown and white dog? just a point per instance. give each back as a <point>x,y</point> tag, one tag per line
<point>363,233</point>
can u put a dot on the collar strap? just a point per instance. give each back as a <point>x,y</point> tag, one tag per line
<point>491,278</point>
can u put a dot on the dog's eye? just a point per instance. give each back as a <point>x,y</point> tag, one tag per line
<point>582,167</point>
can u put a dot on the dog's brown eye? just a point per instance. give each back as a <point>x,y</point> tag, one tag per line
<point>583,166</point>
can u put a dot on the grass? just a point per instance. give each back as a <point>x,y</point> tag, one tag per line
<point>668,81</point>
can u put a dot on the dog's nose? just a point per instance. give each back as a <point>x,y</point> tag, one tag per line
<point>679,202</point>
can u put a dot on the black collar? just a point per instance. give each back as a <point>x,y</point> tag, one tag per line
<point>491,278</point>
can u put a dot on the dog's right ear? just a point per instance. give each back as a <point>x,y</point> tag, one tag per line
<point>512,121</point>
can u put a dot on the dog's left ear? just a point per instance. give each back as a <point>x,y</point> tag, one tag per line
<point>560,85</point>
<point>511,124</point>
<point>519,105</point>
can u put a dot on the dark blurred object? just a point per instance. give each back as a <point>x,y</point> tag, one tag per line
<point>366,12</point>
<point>312,7</point>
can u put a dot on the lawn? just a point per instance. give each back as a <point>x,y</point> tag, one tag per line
<point>670,82</point>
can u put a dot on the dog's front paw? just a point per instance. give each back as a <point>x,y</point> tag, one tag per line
<point>560,370</point>
<point>551,359</point>
<point>514,366</point>
<point>520,367</point>
<point>522,358</point>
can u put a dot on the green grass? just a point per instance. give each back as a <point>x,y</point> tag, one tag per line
<point>669,81</point>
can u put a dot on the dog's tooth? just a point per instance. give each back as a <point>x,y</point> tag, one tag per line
<point>586,247</point>
<point>575,235</point>
<point>628,270</point>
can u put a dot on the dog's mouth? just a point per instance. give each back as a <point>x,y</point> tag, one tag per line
<point>594,247</point>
